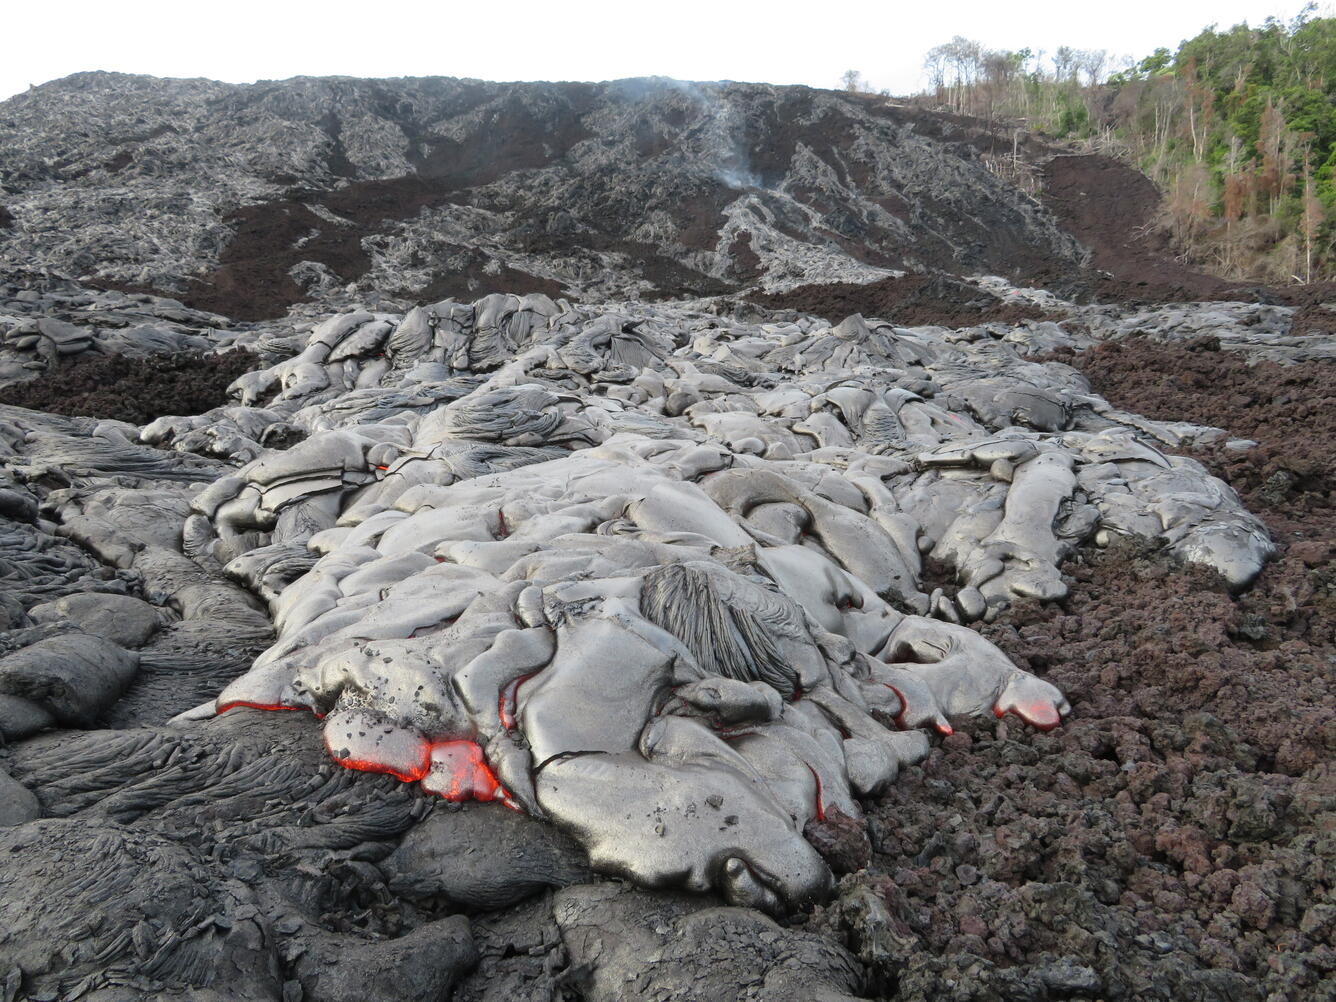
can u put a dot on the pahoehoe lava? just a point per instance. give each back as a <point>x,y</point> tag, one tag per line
<point>590,540</point>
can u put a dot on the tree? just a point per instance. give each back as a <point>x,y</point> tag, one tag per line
<point>1311,220</point>
<point>1156,63</point>
<point>1092,62</point>
<point>1064,64</point>
<point>959,63</point>
<point>1271,144</point>
<point>1200,100</point>
<point>852,81</point>
<point>934,64</point>
<point>1237,126</point>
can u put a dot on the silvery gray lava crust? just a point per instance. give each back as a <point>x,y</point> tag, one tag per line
<point>244,199</point>
<point>648,581</point>
<point>536,620</point>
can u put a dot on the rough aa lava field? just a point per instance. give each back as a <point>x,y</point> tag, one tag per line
<point>644,540</point>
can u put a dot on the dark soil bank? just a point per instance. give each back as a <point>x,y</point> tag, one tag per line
<point>134,389</point>
<point>1176,837</point>
<point>1114,210</point>
<point>1289,411</point>
<point>911,301</point>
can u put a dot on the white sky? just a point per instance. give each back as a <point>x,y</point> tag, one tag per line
<point>811,42</point>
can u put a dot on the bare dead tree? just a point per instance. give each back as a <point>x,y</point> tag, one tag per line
<point>852,81</point>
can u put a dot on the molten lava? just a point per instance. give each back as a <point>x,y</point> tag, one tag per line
<point>1039,715</point>
<point>256,706</point>
<point>506,703</point>
<point>459,772</point>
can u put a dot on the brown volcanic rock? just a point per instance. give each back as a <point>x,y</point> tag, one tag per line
<point>1113,209</point>
<point>1171,839</point>
<point>841,840</point>
<point>252,280</point>
<point>911,301</point>
<point>1110,208</point>
<point>1197,764</point>
<point>133,389</point>
<point>1289,411</point>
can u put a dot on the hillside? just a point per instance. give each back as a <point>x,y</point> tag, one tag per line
<point>577,542</point>
<point>1236,127</point>
<point>244,199</point>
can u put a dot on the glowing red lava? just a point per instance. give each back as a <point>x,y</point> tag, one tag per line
<point>454,770</point>
<point>362,765</point>
<point>1039,715</point>
<point>904,705</point>
<point>256,706</point>
<point>459,772</point>
<point>406,759</point>
<point>946,730</point>
<point>506,703</point>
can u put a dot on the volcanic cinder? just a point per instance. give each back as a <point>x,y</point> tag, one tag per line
<point>511,633</point>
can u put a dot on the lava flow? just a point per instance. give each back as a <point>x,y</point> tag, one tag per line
<point>459,772</point>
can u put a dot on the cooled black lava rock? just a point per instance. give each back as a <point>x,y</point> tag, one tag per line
<point>434,186</point>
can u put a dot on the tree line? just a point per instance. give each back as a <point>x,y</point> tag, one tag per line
<point>969,79</point>
<point>1237,126</point>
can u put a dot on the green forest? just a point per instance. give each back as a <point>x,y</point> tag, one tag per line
<point>1238,127</point>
